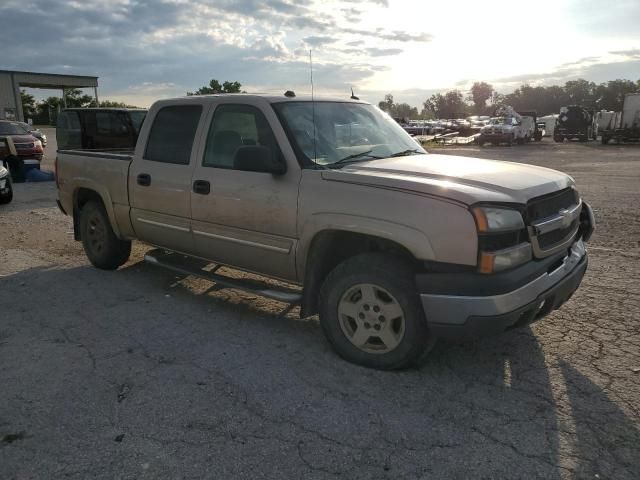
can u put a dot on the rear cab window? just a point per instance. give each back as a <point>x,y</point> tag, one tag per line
<point>68,130</point>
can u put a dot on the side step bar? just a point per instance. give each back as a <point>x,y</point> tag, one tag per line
<point>193,266</point>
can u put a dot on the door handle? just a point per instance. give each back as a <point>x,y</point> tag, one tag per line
<point>202,187</point>
<point>144,179</point>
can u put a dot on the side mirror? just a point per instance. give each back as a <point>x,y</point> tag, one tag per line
<point>258,158</point>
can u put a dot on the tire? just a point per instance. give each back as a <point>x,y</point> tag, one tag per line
<point>103,249</point>
<point>386,282</point>
<point>604,140</point>
<point>510,141</point>
<point>558,139</point>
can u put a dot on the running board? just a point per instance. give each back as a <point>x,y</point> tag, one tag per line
<point>192,266</point>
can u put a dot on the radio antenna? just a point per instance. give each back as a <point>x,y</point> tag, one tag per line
<point>313,109</point>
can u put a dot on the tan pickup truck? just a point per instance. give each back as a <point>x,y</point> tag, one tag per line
<point>393,247</point>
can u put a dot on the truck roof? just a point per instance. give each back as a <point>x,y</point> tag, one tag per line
<point>271,98</point>
<point>104,109</point>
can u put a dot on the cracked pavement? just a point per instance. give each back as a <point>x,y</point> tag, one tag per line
<point>140,373</point>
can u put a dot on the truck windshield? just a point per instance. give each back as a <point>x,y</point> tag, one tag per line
<point>7,128</point>
<point>340,132</point>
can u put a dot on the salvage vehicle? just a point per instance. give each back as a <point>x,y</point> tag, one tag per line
<point>99,128</point>
<point>573,122</point>
<point>624,126</point>
<point>26,145</point>
<point>393,247</point>
<point>36,132</point>
<point>507,127</point>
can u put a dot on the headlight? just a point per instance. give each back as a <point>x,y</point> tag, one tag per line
<point>491,262</point>
<point>493,219</point>
<point>502,239</point>
<point>37,143</point>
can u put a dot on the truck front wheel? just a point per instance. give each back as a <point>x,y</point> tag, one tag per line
<point>103,249</point>
<point>371,313</point>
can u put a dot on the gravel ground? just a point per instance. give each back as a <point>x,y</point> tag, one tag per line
<point>141,374</point>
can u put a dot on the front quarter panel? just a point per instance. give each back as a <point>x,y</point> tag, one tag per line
<point>431,228</point>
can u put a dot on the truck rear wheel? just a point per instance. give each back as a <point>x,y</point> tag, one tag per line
<point>371,313</point>
<point>103,249</point>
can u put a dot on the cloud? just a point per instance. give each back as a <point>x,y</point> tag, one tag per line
<point>318,40</point>
<point>633,53</point>
<point>169,47</point>
<point>383,52</point>
<point>597,72</point>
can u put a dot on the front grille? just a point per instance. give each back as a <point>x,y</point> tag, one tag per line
<point>549,240</point>
<point>551,204</point>
<point>545,209</point>
<point>22,146</point>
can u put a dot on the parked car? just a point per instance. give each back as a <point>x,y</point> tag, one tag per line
<point>27,146</point>
<point>393,247</point>
<point>99,128</point>
<point>36,132</point>
<point>6,187</point>
<point>573,121</point>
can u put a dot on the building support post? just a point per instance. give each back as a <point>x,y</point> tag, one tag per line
<point>95,91</point>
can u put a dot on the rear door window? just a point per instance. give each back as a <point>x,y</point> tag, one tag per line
<point>172,134</point>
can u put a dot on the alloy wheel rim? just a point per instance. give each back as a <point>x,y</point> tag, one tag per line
<point>371,318</point>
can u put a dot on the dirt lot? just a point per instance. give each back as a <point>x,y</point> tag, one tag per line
<point>141,374</point>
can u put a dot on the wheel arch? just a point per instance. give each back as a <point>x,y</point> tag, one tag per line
<point>85,192</point>
<point>330,247</point>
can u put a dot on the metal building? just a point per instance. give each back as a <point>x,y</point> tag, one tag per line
<point>12,81</point>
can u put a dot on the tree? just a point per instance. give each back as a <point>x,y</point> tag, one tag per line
<point>114,104</point>
<point>610,95</point>
<point>404,110</point>
<point>386,105</point>
<point>28,104</point>
<point>215,87</point>
<point>480,93</point>
<point>449,105</point>
<point>580,92</point>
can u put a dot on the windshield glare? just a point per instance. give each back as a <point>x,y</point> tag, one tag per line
<point>343,130</point>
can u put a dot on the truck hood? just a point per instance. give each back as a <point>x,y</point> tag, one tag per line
<point>461,179</point>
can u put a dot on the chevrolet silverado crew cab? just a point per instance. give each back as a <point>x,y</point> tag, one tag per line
<point>393,247</point>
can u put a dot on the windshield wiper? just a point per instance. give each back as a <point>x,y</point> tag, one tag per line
<point>406,152</point>
<point>346,159</point>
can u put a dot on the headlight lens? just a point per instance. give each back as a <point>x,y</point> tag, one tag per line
<point>37,143</point>
<point>491,262</point>
<point>493,219</point>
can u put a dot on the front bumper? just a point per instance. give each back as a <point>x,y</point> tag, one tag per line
<point>470,316</point>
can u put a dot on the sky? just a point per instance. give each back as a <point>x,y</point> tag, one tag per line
<point>144,50</point>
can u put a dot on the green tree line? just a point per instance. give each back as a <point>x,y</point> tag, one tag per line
<point>483,99</point>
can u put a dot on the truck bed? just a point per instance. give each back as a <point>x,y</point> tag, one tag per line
<point>103,172</point>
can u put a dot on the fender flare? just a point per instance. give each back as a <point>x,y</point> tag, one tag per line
<point>415,241</point>
<point>103,193</point>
